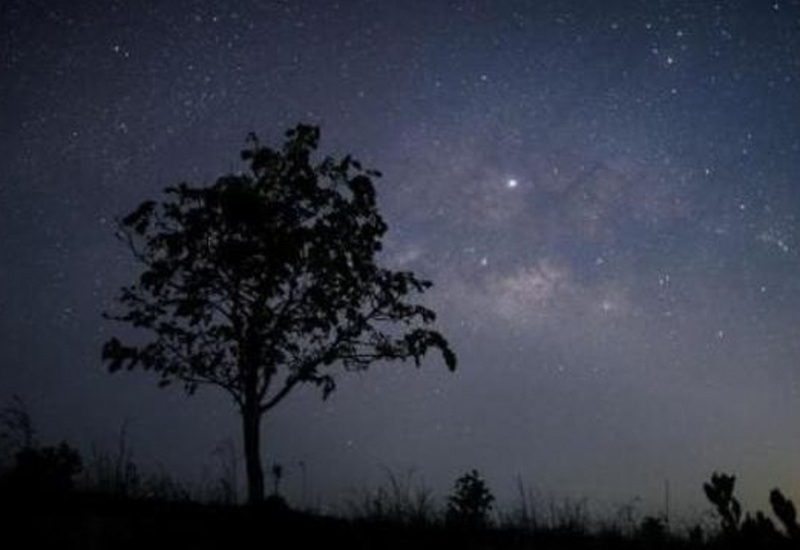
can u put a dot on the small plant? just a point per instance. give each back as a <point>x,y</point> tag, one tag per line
<point>275,502</point>
<point>277,475</point>
<point>471,501</point>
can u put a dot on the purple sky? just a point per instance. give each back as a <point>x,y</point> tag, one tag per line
<point>605,195</point>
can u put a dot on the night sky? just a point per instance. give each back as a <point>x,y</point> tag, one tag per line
<point>605,195</point>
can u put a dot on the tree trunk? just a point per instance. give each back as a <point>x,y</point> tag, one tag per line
<point>251,418</point>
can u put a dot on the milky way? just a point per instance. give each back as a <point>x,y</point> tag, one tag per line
<point>605,195</point>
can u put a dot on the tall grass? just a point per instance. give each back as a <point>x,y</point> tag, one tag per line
<point>402,499</point>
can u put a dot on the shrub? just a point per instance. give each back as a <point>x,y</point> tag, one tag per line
<point>471,501</point>
<point>40,471</point>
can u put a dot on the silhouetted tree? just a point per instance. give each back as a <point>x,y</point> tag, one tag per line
<point>264,281</point>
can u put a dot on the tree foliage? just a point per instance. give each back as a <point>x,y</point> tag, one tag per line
<point>267,279</point>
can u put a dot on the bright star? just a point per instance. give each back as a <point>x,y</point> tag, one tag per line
<point>512,183</point>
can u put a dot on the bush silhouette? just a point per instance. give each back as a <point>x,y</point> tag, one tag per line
<point>471,501</point>
<point>43,471</point>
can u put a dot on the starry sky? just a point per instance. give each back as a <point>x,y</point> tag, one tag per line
<point>605,195</point>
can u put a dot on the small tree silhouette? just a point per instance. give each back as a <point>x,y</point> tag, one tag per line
<point>720,493</point>
<point>471,501</point>
<point>785,511</point>
<point>265,281</point>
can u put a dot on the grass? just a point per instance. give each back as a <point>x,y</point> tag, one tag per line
<point>126,510</point>
<point>51,495</point>
<point>401,500</point>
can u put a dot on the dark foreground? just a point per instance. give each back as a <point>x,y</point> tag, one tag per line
<point>87,521</point>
